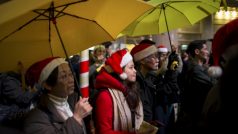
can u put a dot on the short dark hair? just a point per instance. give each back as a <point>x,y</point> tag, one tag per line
<point>52,79</point>
<point>196,44</point>
<point>107,44</point>
<point>147,41</point>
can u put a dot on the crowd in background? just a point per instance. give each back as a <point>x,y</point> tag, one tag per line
<point>150,89</point>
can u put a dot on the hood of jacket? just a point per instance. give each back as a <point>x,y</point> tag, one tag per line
<point>105,80</point>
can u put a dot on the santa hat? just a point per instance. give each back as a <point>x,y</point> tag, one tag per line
<point>143,50</point>
<point>225,37</point>
<point>117,61</point>
<point>40,71</point>
<point>162,49</point>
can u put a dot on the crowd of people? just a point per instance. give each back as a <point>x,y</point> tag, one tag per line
<point>146,90</point>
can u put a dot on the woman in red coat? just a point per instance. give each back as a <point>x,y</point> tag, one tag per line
<point>118,109</point>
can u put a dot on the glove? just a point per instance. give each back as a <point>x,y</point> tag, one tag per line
<point>174,65</point>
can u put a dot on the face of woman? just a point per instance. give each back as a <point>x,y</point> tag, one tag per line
<point>130,71</point>
<point>65,82</point>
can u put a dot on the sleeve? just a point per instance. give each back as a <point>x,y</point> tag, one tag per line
<point>39,122</point>
<point>180,64</point>
<point>202,77</point>
<point>168,88</point>
<point>14,93</point>
<point>168,83</point>
<point>104,114</point>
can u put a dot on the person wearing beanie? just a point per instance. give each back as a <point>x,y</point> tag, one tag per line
<point>163,54</point>
<point>96,62</point>
<point>59,110</point>
<point>98,56</point>
<point>169,93</point>
<point>197,84</point>
<point>146,59</point>
<point>152,88</point>
<point>118,109</point>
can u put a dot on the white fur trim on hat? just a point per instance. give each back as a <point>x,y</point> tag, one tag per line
<point>144,53</point>
<point>126,59</point>
<point>163,50</point>
<point>49,68</point>
<point>214,71</point>
<point>123,76</point>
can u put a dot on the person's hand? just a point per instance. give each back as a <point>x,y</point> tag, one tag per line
<point>174,65</point>
<point>82,109</point>
<point>157,123</point>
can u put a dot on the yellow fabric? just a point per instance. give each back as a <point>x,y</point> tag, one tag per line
<point>169,15</point>
<point>103,21</point>
<point>147,128</point>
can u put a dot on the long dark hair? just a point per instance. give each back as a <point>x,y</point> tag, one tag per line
<point>132,95</point>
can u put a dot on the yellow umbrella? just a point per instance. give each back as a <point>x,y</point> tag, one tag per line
<point>171,14</point>
<point>60,27</point>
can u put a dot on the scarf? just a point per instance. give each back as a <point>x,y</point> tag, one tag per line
<point>62,106</point>
<point>122,113</point>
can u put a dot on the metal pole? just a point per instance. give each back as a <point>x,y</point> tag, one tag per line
<point>167,26</point>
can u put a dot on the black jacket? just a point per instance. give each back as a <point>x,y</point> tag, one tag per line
<point>14,102</point>
<point>157,90</point>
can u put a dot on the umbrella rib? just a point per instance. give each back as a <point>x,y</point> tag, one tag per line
<point>18,29</point>
<point>159,19</point>
<point>163,7</point>
<point>72,15</point>
<point>199,7</point>
<point>78,17</point>
<point>65,6</point>
<point>50,36</point>
<point>59,12</point>
<point>176,10</point>
<point>37,12</point>
<point>204,10</point>
<point>142,19</point>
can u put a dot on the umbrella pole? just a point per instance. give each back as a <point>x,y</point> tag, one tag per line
<point>167,26</point>
<point>67,57</point>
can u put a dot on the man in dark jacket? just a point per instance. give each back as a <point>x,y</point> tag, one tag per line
<point>198,83</point>
<point>146,60</point>
<point>151,87</point>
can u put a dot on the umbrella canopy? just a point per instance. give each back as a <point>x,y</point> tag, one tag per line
<point>61,26</point>
<point>171,14</point>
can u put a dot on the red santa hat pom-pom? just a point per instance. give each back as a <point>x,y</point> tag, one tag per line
<point>117,61</point>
